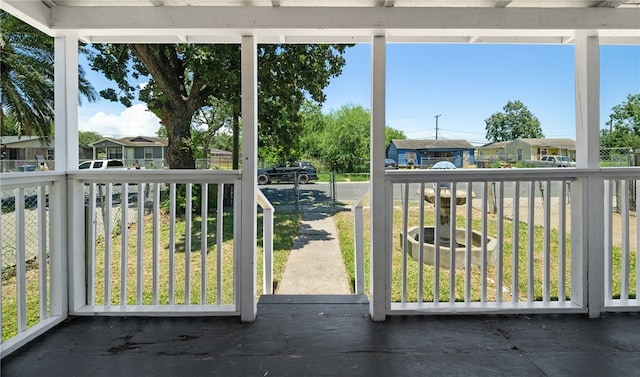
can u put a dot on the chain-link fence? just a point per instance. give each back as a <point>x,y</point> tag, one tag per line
<point>27,222</point>
<point>612,157</point>
<point>340,192</point>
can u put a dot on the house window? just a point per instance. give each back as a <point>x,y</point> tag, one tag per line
<point>148,153</point>
<point>115,153</point>
<point>519,151</point>
<point>50,154</point>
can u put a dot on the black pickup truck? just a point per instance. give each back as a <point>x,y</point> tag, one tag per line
<point>299,170</point>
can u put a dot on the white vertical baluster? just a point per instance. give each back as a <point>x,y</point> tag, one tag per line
<point>140,245</point>
<point>219,240</point>
<point>172,243</point>
<point>500,250</point>
<point>91,243</point>
<point>405,249</point>
<point>624,276</point>
<point>42,252</point>
<point>124,233</point>
<point>187,245</point>
<point>156,242</point>
<point>452,243</point>
<point>358,241</point>
<point>469,243</point>
<point>436,244</point>
<point>515,249</point>
<point>546,243</point>
<point>107,217</point>
<point>530,245</point>
<point>204,209</point>
<point>21,285</point>
<point>608,239</point>
<point>421,245</point>
<point>562,247</point>
<point>483,247</point>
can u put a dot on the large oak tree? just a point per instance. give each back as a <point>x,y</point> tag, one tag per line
<point>184,78</point>
<point>515,121</point>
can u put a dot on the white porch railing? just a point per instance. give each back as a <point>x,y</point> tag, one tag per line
<point>137,243</point>
<point>523,259</point>
<point>358,242</point>
<point>190,255</point>
<point>267,241</point>
<point>33,291</point>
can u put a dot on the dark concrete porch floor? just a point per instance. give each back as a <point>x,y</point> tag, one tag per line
<point>333,336</point>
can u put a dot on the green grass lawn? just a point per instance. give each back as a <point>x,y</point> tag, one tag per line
<point>285,225</point>
<point>344,177</point>
<point>344,223</point>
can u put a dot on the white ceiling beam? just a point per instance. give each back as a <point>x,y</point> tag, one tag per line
<point>34,13</point>
<point>333,18</point>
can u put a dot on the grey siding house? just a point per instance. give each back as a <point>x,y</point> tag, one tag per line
<point>146,151</point>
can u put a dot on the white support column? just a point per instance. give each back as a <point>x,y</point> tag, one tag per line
<point>70,202</point>
<point>66,102</point>
<point>247,276</point>
<point>587,233</point>
<point>380,226</point>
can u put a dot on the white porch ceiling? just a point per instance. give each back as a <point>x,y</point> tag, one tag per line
<point>337,21</point>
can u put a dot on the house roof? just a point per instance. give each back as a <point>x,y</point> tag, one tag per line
<point>431,144</point>
<point>542,142</point>
<point>219,152</point>
<point>145,141</point>
<point>135,141</point>
<point>7,140</point>
<point>494,145</point>
<point>550,142</point>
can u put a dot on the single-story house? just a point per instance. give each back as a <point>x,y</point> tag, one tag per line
<point>25,148</point>
<point>221,158</point>
<point>492,151</point>
<point>425,153</point>
<point>138,150</point>
<point>526,149</point>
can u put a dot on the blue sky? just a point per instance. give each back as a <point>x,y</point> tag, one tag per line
<point>465,84</point>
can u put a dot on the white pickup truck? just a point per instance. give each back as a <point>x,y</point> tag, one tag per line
<point>554,161</point>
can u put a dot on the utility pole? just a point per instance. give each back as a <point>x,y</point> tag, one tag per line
<point>437,116</point>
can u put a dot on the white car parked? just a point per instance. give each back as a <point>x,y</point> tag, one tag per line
<point>102,164</point>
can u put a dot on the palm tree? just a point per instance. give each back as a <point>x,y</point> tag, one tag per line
<point>26,79</point>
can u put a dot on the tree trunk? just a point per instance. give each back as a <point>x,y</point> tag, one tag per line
<point>179,154</point>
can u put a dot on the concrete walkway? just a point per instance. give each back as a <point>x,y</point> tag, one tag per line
<point>315,264</point>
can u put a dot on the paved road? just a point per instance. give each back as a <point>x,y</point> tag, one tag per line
<point>349,192</point>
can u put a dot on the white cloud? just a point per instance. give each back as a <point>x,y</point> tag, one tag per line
<point>133,121</point>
